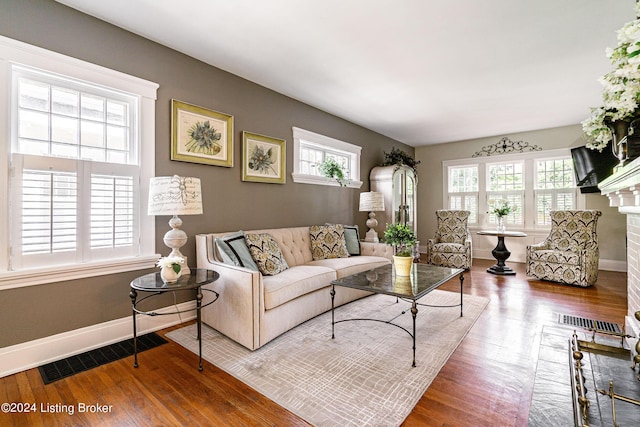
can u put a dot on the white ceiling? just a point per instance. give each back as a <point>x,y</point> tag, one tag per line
<point>419,71</point>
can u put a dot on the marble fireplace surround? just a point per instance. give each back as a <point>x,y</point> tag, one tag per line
<point>623,190</point>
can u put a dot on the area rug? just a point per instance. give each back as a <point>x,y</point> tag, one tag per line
<point>364,375</point>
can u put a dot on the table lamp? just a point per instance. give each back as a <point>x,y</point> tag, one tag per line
<point>371,202</point>
<point>175,195</point>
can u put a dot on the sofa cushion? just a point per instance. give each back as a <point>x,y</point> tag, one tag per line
<point>328,242</point>
<point>348,266</point>
<point>295,282</point>
<point>555,257</point>
<point>266,253</point>
<point>233,250</point>
<point>449,248</point>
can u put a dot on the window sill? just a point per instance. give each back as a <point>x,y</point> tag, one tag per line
<point>321,180</point>
<point>41,276</point>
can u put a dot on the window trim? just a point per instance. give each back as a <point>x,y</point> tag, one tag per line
<point>326,142</point>
<point>528,160</point>
<point>19,53</point>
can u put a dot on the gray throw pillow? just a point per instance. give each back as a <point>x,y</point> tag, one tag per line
<point>233,250</point>
<point>352,237</point>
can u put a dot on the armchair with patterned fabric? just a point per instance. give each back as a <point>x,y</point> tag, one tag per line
<point>570,253</point>
<point>451,246</point>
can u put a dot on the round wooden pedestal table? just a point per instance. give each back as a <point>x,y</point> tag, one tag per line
<point>500,252</point>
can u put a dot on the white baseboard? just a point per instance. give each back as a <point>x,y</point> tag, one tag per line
<point>20,357</point>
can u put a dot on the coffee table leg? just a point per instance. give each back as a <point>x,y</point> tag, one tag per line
<point>333,295</point>
<point>414,313</point>
<point>461,283</point>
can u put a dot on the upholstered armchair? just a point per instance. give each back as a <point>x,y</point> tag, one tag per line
<point>451,246</point>
<point>570,253</point>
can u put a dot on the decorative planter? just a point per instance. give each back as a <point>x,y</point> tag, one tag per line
<point>169,275</point>
<point>403,265</point>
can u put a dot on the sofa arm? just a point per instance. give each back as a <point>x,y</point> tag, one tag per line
<point>376,249</point>
<point>238,310</point>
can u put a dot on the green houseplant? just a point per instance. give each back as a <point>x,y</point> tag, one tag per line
<point>399,157</point>
<point>332,169</point>
<point>403,239</point>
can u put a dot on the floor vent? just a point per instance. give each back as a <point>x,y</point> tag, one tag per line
<point>581,322</point>
<point>83,362</point>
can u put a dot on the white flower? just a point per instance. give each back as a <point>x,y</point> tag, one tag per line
<point>621,87</point>
<point>170,261</point>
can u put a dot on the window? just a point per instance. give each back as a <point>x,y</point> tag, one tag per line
<point>463,190</point>
<point>312,149</point>
<point>554,189</point>
<point>79,134</point>
<point>505,181</point>
<point>534,183</point>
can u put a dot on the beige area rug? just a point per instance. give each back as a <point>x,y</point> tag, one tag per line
<point>364,375</point>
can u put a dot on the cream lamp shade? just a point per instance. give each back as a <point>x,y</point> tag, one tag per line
<point>175,195</point>
<point>371,201</point>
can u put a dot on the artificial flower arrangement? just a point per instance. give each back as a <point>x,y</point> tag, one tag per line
<point>175,262</point>
<point>501,207</point>
<point>621,91</point>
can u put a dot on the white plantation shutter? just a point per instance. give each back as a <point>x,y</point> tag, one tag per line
<point>111,211</point>
<point>49,212</point>
<point>72,211</point>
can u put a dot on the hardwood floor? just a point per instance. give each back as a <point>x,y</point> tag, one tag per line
<point>488,380</point>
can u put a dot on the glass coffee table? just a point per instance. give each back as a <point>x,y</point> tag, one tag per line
<point>382,280</point>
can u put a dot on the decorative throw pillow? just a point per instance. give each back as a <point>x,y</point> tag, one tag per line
<point>233,250</point>
<point>266,253</point>
<point>327,241</point>
<point>352,238</point>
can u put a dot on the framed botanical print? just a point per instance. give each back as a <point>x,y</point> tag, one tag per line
<point>200,135</point>
<point>263,158</point>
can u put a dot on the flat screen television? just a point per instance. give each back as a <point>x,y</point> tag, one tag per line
<point>591,167</point>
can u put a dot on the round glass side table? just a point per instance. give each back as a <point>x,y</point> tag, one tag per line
<point>153,284</point>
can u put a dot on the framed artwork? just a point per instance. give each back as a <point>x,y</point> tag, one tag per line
<point>200,135</point>
<point>263,158</point>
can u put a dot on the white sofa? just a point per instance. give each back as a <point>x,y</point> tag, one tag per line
<point>254,309</point>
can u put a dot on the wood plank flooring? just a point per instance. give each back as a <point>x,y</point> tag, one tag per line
<point>488,381</point>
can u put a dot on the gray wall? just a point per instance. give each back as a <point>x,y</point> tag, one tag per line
<point>229,204</point>
<point>430,198</point>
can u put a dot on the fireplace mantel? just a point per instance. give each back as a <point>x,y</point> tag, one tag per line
<point>623,190</point>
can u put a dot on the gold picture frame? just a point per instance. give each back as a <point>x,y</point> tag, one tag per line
<point>263,158</point>
<point>200,135</point>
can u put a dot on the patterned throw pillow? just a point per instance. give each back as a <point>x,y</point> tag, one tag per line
<point>266,253</point>
<point>327,241</point>
<point>352,238</point>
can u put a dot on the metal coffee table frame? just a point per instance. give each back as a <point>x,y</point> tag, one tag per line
<point>382,280</point>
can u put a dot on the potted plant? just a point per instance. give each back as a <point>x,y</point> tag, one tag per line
<point>399,157</point>
<point>170,268</point>
<point>500,208</point>
<point>403,239</point>
<point>332,169</point>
